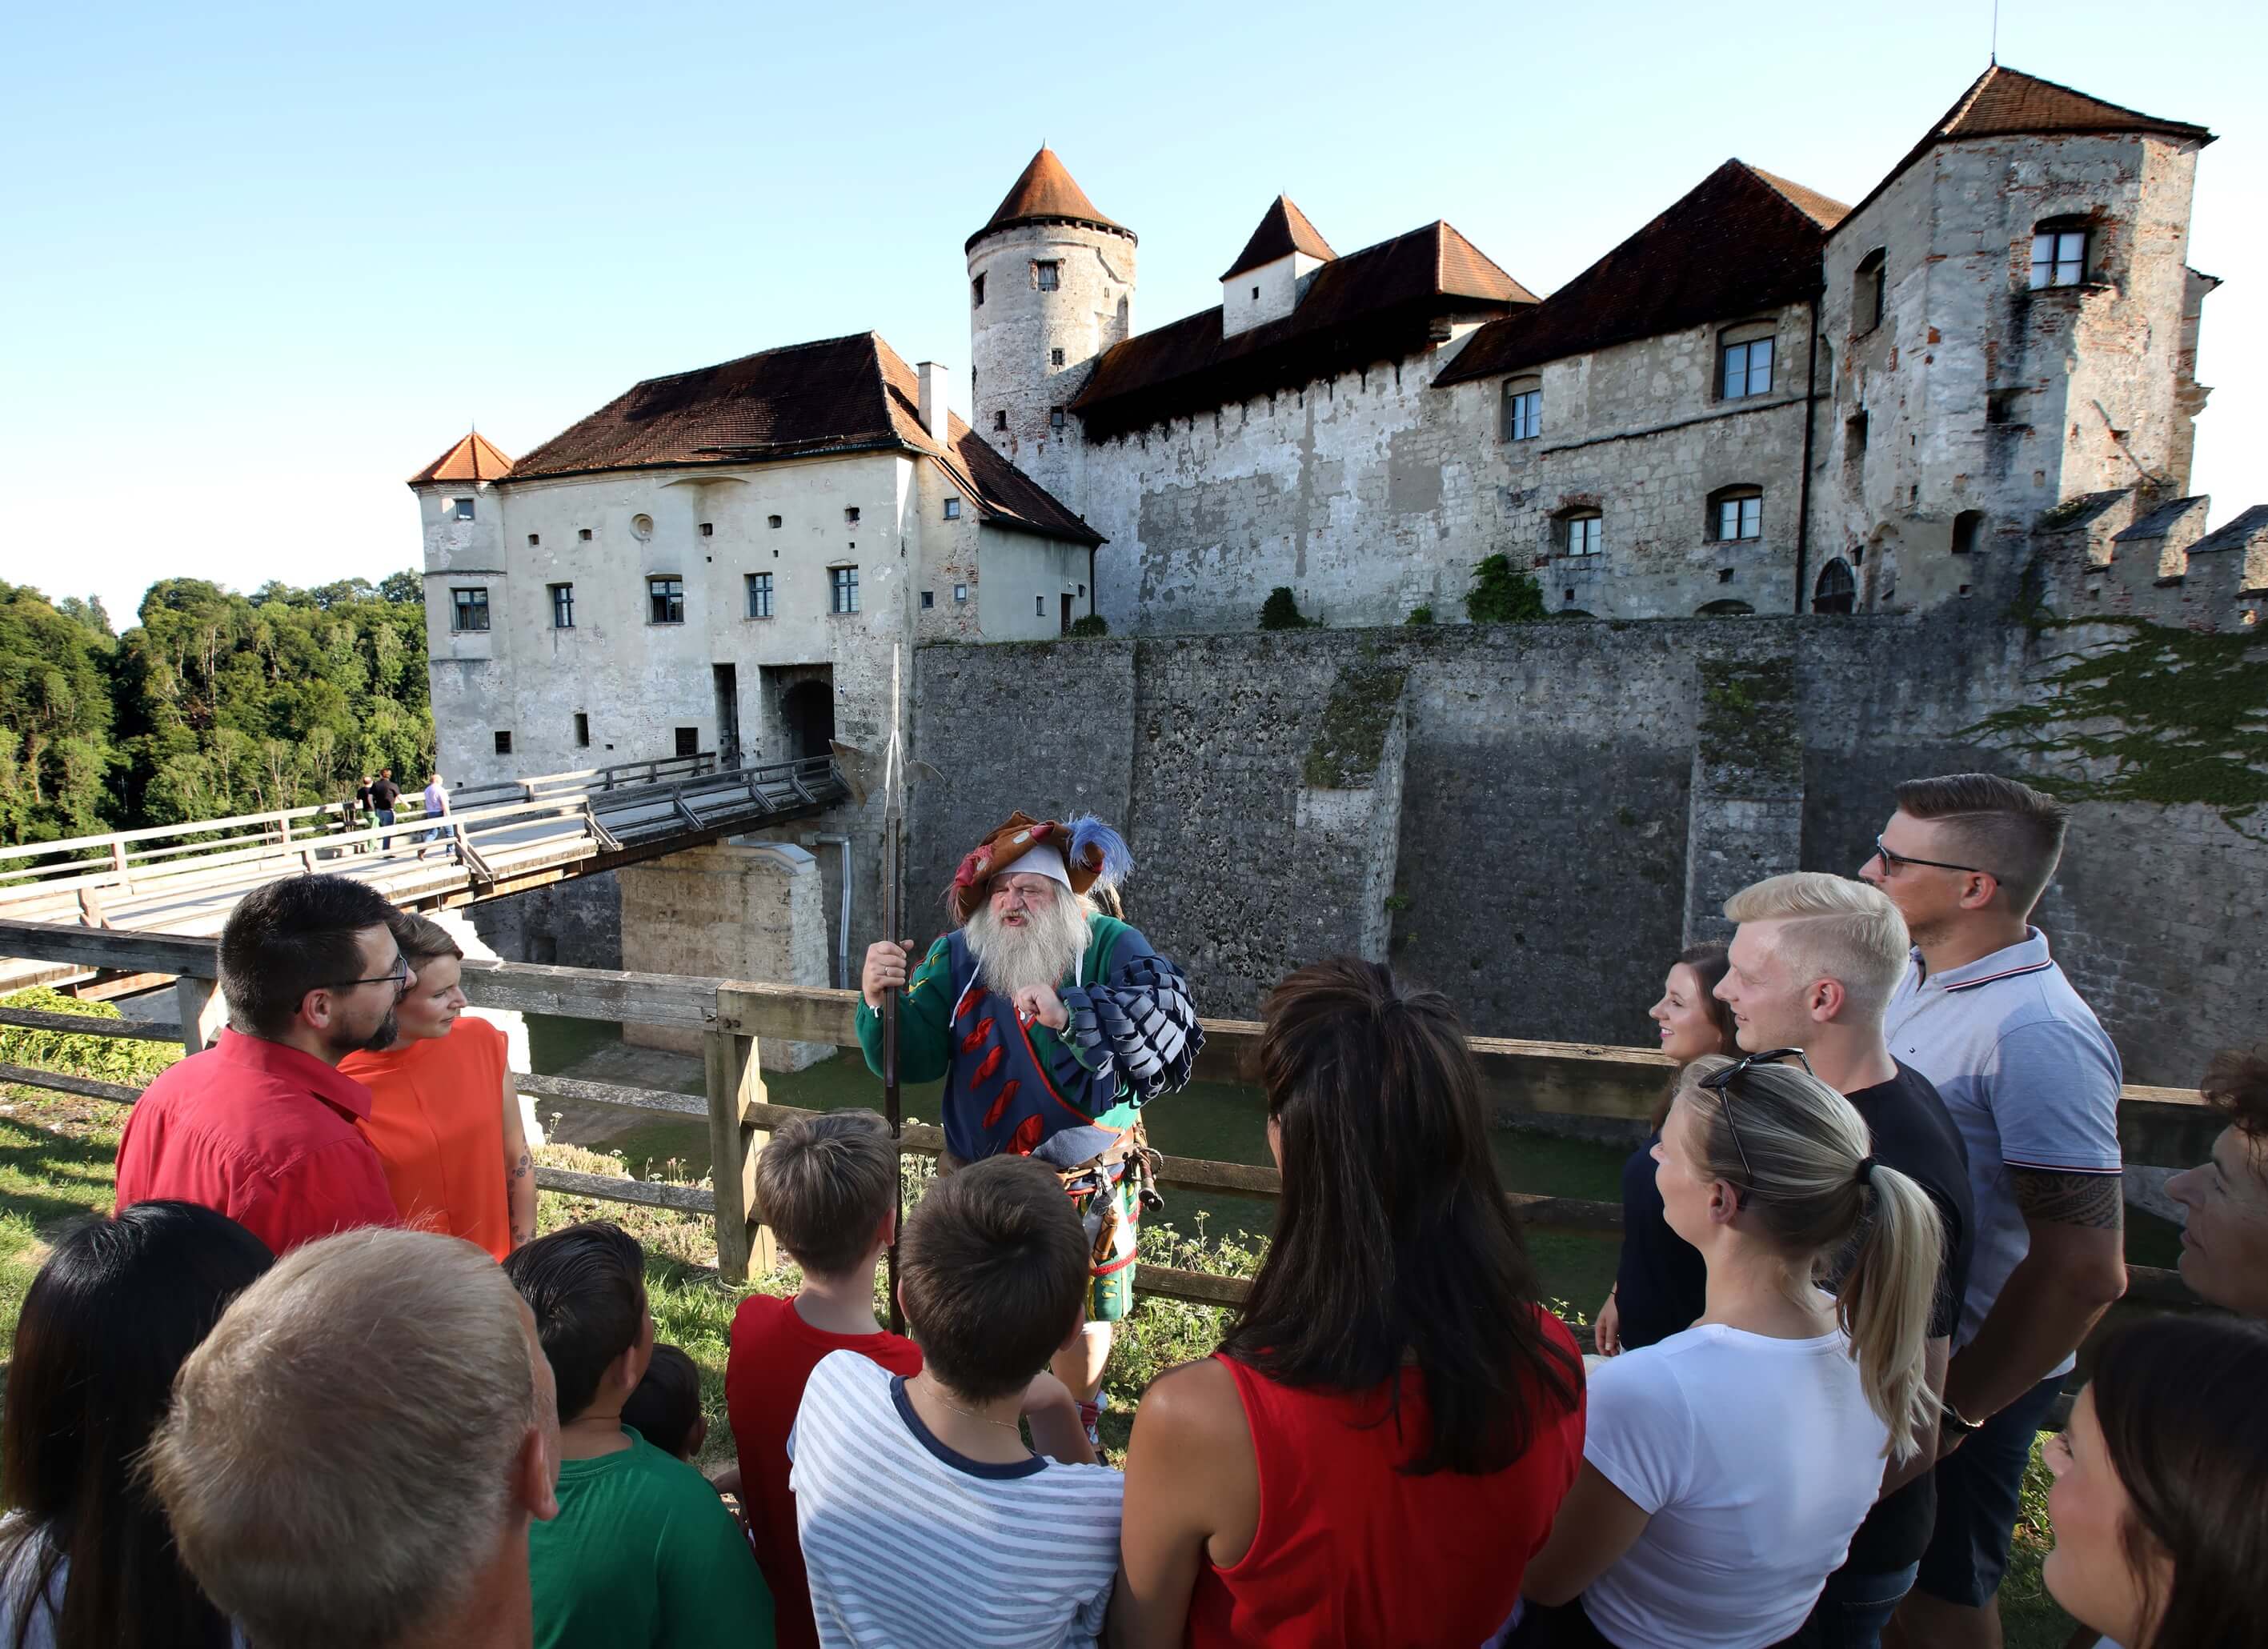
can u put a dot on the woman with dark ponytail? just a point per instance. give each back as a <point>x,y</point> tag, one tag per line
<point>1383,1436</point>
<point>1726,1466</point>
<point>2160,1519</point>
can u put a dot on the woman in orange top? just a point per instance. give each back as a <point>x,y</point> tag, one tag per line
<point>445,1117</point>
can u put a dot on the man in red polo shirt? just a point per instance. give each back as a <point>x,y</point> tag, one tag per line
<point>261,1127</point>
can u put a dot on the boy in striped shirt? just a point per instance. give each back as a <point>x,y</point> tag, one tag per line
<point>924,1518</point>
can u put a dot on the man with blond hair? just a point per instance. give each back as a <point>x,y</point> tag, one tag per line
<point>354,1454</point>
<point>2032,1082</point>
<point>1812,965</point>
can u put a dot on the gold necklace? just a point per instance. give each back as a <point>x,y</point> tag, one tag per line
<point>1015,1425</point>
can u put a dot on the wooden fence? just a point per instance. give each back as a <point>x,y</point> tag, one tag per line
<point>2166,1127</point>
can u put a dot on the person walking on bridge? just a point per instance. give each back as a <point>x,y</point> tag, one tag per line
<point>437,808</point>
<point>1052,1026</point>
<point>261,1126</point>
<point>383,794</point>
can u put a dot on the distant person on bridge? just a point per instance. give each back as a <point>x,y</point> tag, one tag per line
<point>444,1110</point>
<point>437,808</point>
<point>261,1126</point>
<point>383,794</point>
<point>1052,1026</point>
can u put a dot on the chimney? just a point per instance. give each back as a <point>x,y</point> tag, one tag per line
<point>932,400</point>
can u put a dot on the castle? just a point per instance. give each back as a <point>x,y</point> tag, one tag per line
<point>1977,384</point>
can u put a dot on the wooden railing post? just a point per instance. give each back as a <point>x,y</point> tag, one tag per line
<point>203,1011</point>
<point>736,1082</point>
<point>118,864</point>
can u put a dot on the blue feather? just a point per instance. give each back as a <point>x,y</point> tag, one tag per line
<point>1087,833</point>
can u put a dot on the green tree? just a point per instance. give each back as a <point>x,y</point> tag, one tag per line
<point>1501,596</point>
<point>57,755</point>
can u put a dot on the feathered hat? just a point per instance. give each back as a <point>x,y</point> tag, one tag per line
<point>1080,853</point>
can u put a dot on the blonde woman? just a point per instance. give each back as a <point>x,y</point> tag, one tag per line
<point>1726,1467</point>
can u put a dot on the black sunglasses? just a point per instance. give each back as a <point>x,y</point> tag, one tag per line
<point>1721,1084</point>
<point>1891,862</point>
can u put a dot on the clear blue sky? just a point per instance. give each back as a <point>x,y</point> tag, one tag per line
<point>266,261</point>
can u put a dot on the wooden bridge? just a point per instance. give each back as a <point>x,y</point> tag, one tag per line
<point>496,839</point>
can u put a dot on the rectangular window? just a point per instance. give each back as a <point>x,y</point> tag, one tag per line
<point>469,608</point>
<point>1740,518</point>
<point>1000,420</point>
<point>772,521</point>
<point>563,605</point>
<point>929,600</point>
<point>689,741</point>
<point>582,731</point>
<point>977,293</point>
<point>464,506</point>
<point>960,593</point>
<point>503,743</point>
<point>842,583</point>
<point>1039,607</point>
<point>534,538</point>
<point>953,509</point>
<point>1747,369</point>
<point>708,529</point>
<point>1582,535</point>
<point>1523,415</point>
<point>665,601</point>
<point>2058,258</point>
<point>851,516</point>
<point>1054,357</point>
<point>583,535</point>
<point>1055,417</point>
<point>1047,274</point>
<point>759,594</point>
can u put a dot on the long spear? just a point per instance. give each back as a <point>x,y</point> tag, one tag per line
<point>893,818</point>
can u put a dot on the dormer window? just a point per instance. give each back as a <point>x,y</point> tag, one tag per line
<point>1047,274</point>
<point>2058,254</point>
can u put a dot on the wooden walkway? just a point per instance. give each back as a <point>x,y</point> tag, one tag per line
<point>496,839</point>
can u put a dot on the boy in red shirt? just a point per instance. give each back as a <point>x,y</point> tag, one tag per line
<point>828,1188</point>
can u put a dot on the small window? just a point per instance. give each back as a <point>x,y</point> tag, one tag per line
<point>959,593</point>
<point>469,608</point>
<point>1054,357</point>
<point>534,539</point>
<point>1039,607</point>
<point>1047,274</point>
<point>1523,409</point>
<point>773,522</point>
<point>842,583</point>
<point>563,605</point>
<point>582,731</point>
<point>1082,592</point>
<point>1723,575</point>
<point>1836,591</point>
<point>953,509</point>
<point>2004,406</point>
<point>1968,527</point>
<point>1579,533</point>
<point>851,516</point>
<point>2058,255</point>
<point>1055,417</point>
<point>665,601</point>
<point>1854,437</point>
<point>759,594</point>
<point>584,534</point>
<point>708,529</point>
<point>1256,294</point>
<point>1736,512</point>
<point>689,741</point>
<point>503,743</point>
<point>1866,294</point>
<point>1746,369</point>
<point>977,293</point>
<point>929,600</point>
<point>1000,420</point>
<point>464,506</point>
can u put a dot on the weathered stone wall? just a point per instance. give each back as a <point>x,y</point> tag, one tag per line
<point>1549,818</point>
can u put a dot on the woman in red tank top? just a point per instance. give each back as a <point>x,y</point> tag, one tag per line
<point>1378,1446</point>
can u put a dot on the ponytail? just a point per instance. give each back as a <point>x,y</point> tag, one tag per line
<point>1885,1302</point>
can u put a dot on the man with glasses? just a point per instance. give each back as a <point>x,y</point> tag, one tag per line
<point>2032,1081</point>
<point>1811,969</point>
<point>261,1127</point>
<point>1052,1024</point>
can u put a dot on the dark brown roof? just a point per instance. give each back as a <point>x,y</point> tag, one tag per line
<point>1044,194</point>
<point>846,395</point>
<point>1284,229</point>
<point>474,458</point>
<point>1380,304</point>
<point>2004,102</point>
<point>1740,242</point>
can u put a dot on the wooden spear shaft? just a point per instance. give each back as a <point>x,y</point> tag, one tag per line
<point>894,815</point>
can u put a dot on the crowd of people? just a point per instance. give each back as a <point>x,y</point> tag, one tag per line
<point>317,1380</point>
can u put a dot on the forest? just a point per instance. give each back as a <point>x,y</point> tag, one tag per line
<point>213,703</point>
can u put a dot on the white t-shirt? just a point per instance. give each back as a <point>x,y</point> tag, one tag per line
<point>1756,1459</point>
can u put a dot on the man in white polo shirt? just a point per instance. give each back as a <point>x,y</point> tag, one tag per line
<point>2032,1081</point>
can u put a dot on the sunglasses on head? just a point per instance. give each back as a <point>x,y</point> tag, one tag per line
<point>1721,1084</point>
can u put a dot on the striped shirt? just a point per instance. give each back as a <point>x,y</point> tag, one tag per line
<point>911,1545</point>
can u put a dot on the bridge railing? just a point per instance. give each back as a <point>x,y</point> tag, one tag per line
<point>2166,1126</point>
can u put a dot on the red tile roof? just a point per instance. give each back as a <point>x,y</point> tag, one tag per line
<point>845,394</point>
<point>1383,303</point>
<point>1740,242</point>
<point>1284,229</point>
<point>474,458</point>
<point>1046,193</point>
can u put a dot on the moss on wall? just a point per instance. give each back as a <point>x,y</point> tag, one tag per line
<point>1747,716</point>
<point>1356,720</point>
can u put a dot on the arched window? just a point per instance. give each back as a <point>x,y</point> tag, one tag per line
<point>1523,409</point>
<point>1576,533</point>
<point>1727,607</point>
<point>1736,513</point>
<point>2059,250</point>
<point>1866,294</point>
<point>1744,360</point>
<point>1836,591</point>
<point>1968,527</point>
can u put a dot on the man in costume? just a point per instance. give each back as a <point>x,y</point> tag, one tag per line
<point>1052,1024</point>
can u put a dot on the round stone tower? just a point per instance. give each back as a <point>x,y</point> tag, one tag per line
<point>1051,288</point>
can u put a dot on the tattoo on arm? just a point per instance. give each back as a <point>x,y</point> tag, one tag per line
<point>525,1166</point>
<point>2092,1200</point>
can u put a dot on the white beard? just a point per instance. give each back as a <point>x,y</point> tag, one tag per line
<point>1042,951</point>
